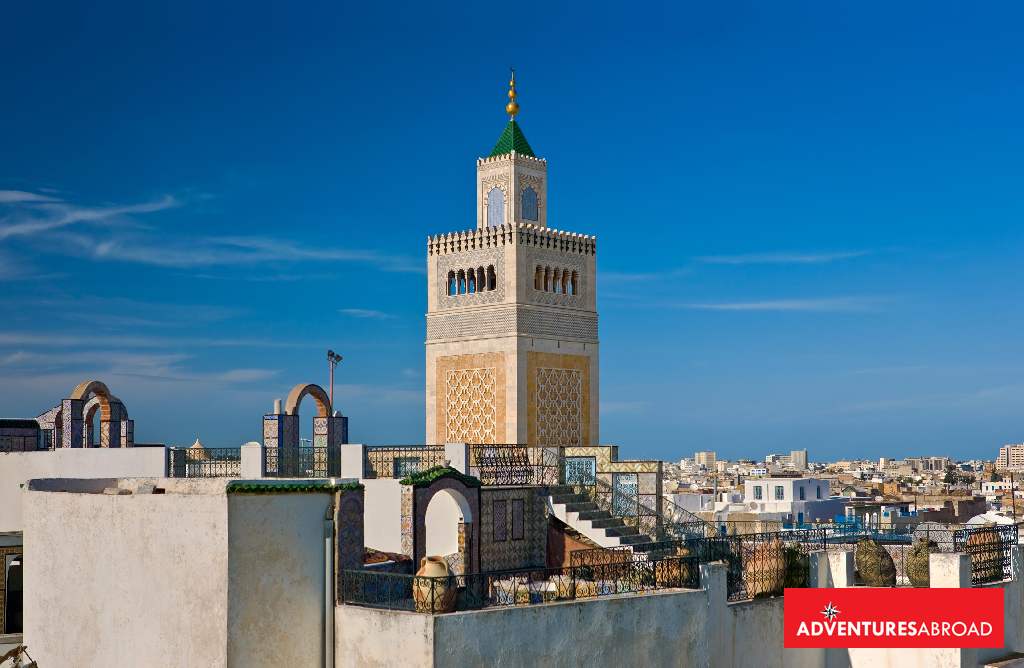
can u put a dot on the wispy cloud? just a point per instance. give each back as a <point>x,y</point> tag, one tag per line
<point>366,313</point>
<point>781,258</point>
<point>20,196</point>
<point>54,222</point>
<point>827,304</point>
<point>111,362</point>
<point>43,339</point>
<point>44,215</point>
<point>614,277</point>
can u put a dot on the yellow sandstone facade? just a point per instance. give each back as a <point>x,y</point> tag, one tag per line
<point>512,347</point>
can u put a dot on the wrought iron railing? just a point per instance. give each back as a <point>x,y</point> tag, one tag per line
<point>399,461</point>
<point>204,462</point>
<point>989,549</point>
<point>601,555</point>
<point>515,464</point>
<point>515,587</point>
<point>757,565</point>
<point>762,565</point>
<point>303,462</point>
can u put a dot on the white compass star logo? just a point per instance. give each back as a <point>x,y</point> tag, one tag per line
<point>830,611</point>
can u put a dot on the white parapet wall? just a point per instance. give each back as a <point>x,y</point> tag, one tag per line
<point>696,628</point>
<point>18,467</point>
<point>192,576</point>
<point>382,519</point>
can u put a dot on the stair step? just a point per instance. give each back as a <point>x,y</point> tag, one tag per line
<point>622,531</point>
<point>560,489</point>
<point>645,548</point>
<point>634,539</point>
<point>595,514</point>
<point>568,498</point>
<point>579,506</point>
<point>607,522</point>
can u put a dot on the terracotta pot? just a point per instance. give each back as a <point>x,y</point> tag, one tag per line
<point>986,550</point>
<point>434,589</point>
<point>764,569</point>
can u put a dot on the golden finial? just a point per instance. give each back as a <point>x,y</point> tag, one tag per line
<point>512,107</point>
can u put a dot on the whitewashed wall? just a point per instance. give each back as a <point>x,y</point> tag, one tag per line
<point>18,467</point>
<point>382,519</point>
<point>137,580</point>
<point>191,577</point>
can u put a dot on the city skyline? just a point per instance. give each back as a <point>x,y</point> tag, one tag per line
<point>826,248</point>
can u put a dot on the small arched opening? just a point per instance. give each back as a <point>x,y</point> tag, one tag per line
<point>530,209</point>
<point>495,207</point>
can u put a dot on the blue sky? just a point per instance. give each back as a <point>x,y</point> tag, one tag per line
<point>809,214</point>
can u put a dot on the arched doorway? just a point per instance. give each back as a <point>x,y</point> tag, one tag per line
<point>285,454</point>
<point>440,516</point>
<point>447,515</point>
<point>77,413</point>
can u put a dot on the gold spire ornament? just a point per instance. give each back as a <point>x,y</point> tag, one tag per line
<point>512,107</point>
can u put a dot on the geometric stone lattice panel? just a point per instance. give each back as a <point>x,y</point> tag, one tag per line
<point>559,407</point>
<point>470,403</point>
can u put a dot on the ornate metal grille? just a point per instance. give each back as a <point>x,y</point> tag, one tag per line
<point>304,462</point>
<point>989,549</point>
<point>204,463</point>
<point>399,461</point>
<point>510,464</point>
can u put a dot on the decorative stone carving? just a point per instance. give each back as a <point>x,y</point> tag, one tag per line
<point>471,259</point>
<point>470,399</point>
<point>559,407</point>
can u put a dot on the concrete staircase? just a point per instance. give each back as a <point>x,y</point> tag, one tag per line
<point>598,525</point>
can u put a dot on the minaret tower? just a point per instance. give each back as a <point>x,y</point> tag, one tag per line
<point>512,349</point>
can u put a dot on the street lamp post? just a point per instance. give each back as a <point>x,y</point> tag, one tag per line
<point>332,360</point>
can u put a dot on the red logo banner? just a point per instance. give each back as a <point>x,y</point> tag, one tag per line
<point>870,617</point>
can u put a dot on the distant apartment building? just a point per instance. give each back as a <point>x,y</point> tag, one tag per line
<point>928,464</point>
<point>798,458</point>
<point>796,499</point>
<point>706,459</point>
<point>1011,457</point>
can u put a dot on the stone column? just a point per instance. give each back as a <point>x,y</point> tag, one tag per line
<point>254,462</point>
<point>72,423</point>
<point>352,461</point>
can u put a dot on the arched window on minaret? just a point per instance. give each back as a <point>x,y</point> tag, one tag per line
<point>565,282</point>
<point>556,280</point>
<point>530,204</point>
<point>481,279</point>
<point>547,279</point>
<point>538,278</point>
<point>453,286</point>
<point>462,282</point>
<point>495,207</point>
<point>492,278</point>
<point>471,281</point>
<point>574,283</point>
